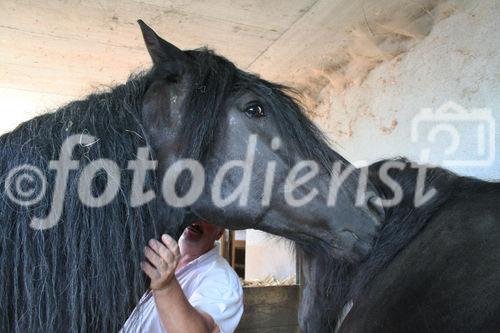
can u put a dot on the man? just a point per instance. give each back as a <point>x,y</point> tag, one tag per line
<point>193,288</point>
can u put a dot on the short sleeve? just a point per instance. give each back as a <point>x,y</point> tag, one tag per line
<point>220,295</point>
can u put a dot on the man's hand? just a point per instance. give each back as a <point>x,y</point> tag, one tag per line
<point>176,314</point>
<point>163,260</point>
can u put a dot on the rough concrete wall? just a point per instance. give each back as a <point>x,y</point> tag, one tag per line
<point>370,117</point>
<point>268,255</point>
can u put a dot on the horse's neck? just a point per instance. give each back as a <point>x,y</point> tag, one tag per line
<point>403,222</point>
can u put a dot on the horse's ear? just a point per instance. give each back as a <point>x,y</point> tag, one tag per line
<point>164,55</point>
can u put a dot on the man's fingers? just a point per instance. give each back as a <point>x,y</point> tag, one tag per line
<point>162,251</point>
<point>171,244</point>
<point>149,270</point>
<point>155,245</point>
<point>153,257</point>
<point>167,255</point>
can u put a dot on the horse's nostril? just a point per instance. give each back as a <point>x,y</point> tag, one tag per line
<point>352,233</point>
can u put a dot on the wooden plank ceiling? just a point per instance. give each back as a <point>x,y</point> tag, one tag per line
<point>65,48</point>
<point>53,51</point>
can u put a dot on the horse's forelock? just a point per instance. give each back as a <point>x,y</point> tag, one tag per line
<point>217,79</point>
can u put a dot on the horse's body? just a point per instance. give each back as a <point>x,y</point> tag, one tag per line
<point>446,280</point>
<point>435,268</point>
<point>81,272</point>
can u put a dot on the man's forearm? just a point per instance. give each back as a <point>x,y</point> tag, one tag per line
<point>177,315</point>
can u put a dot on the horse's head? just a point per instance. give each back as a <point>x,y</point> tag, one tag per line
<point>265,164</point>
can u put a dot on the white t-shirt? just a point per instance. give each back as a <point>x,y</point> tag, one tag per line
<point>210,285</point>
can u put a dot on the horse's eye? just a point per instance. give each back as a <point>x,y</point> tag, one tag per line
<point>255,111</point>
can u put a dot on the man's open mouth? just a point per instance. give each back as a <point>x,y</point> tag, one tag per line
<point>196,229</point>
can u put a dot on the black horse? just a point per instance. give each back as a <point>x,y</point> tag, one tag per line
<point>66,266</point>
<point>434,267</point>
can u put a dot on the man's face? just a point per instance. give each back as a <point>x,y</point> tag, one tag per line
<point>201,234</point>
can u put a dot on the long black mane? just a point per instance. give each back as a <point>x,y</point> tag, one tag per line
<point>84,273</point>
